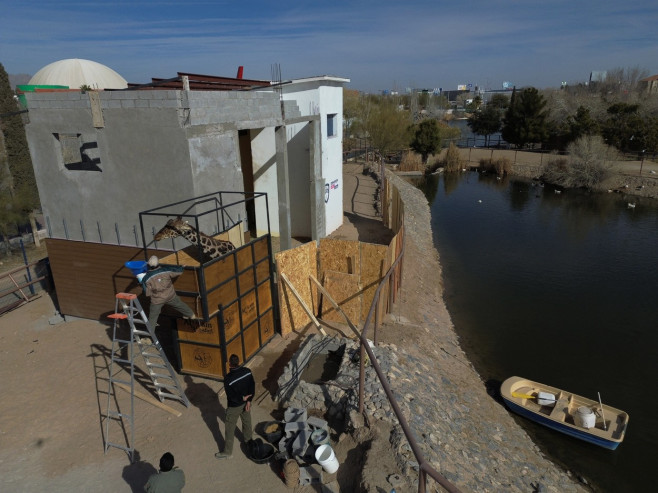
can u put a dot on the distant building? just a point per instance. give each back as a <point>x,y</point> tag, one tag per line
<point>650,84</point>
<point>598,76</point>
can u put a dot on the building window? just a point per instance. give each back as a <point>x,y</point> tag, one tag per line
<point>332,125</point>
<point>78,153</point>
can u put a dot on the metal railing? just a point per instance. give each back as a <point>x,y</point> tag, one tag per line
<point>17,285</point>
<point>424,468</point>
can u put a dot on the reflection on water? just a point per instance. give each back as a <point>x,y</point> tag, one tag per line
<point>558,288</point>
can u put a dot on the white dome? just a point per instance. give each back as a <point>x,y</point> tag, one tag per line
<point>76,72</point>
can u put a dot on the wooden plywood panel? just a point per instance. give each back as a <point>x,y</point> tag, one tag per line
<point>345,290</point>
<point>261,248</point>
<point>219,271</point>
<point>264,297</point>
<point>248,308</point>
<point>224,295</point>
<point>87,276</point>
<point>339,256</point>
<point>246,280</point>
<point>267,326</point>
<point>251,340</point>
<point>262,270</point>
<point>193,331</point>
<point>244,258</point>
<point>193,301</point>
<point>231,320</point>
<point>235,347</point>
<point>297,264</point>
<point>201,360</point>
<point>372,270</point>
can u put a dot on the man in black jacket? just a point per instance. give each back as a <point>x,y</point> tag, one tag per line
<point>240,387</point>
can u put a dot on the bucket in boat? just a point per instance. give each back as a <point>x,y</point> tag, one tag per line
<point>326,458</point>
<point>585,417</point>
<point>136,266</point>
<point>546,399</point>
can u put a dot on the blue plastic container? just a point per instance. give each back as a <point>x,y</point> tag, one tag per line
<point>137,266</point>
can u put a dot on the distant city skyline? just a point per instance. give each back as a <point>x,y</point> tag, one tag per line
<point>377,45</point>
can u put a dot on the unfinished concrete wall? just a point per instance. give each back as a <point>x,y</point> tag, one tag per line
<point>99,164</point>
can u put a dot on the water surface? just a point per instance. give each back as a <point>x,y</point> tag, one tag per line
<point>561,289</point>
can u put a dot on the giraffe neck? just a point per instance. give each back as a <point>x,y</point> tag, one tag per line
<point>210,246</point>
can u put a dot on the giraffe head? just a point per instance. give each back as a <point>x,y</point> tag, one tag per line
<point>172,229</point>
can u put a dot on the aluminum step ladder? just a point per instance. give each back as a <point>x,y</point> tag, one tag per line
<point>127,308</point>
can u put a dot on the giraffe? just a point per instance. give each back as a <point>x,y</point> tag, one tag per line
<point>211,246</point>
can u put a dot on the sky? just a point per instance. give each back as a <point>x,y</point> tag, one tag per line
<point>378,45</point>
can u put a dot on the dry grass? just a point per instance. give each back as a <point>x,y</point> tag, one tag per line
<point>411,161</point>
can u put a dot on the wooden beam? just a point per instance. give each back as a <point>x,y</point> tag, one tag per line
<point>149,399</point>
<point>301,302</point>
<point>335,305</point>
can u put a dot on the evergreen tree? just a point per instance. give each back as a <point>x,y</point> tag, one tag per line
<point>485,122</point>
<point>20,171</point>
<point>525,120</point>
<point>426,139</point>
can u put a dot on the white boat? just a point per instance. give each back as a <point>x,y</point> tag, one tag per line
<point>563,411</point>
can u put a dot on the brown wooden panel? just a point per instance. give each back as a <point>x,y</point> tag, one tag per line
<point>248,308</point>
<point>231,320</point>
<point>267,326</point>
<point>262,271</point>
<point>261,249</point>
<point>251,340</point>
<point>247,281</point>
<point>219,271</point>
<point>224,295</point>
<point>194,302</point>
<point>235,347</point>
<point>201,360</point>
<point>88,275</point>
<point>187,281</point>
<point>192,330</point>
<point>264,296</point>
<point>245,258</point>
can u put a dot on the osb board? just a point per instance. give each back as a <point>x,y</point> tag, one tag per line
<point>202,360</point>
<point>345,290</point>
<point>373,268</point>
<point>87,276</point>
<point>297,264</point>
<point>339,256</point>
<point>193,331</point>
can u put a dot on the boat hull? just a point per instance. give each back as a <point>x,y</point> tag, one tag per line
<point>570,414</point>
<point>563,428</point>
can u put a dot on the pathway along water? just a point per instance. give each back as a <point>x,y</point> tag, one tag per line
<point>558,288</point>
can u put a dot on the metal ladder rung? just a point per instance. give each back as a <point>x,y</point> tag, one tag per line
<point>150,349</point>
<point>116,380</point>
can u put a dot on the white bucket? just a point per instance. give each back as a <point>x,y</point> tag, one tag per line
<point>585,417</point>
<point>326,458</point>
<point>545,399</point>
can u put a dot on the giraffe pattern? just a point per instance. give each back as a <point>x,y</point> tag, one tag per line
<point>211,246</point>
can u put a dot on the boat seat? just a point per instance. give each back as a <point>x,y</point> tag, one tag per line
<point>560,410</point>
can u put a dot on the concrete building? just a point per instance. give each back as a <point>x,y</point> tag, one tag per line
<point>101,157</point>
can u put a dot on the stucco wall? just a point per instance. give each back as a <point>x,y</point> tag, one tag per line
<point>154,147</point>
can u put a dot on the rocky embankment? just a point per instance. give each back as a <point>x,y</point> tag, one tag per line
<point>465,433</point>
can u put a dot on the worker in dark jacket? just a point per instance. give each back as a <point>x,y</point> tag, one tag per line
<point>168,479</point>
<point>159,287</point>
<point>240,387</point>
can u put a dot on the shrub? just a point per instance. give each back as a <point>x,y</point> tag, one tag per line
<point>501,166</point>
<point>411,162</point>
<point>453,160</point>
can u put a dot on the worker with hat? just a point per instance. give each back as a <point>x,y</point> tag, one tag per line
<point>159,287</point>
